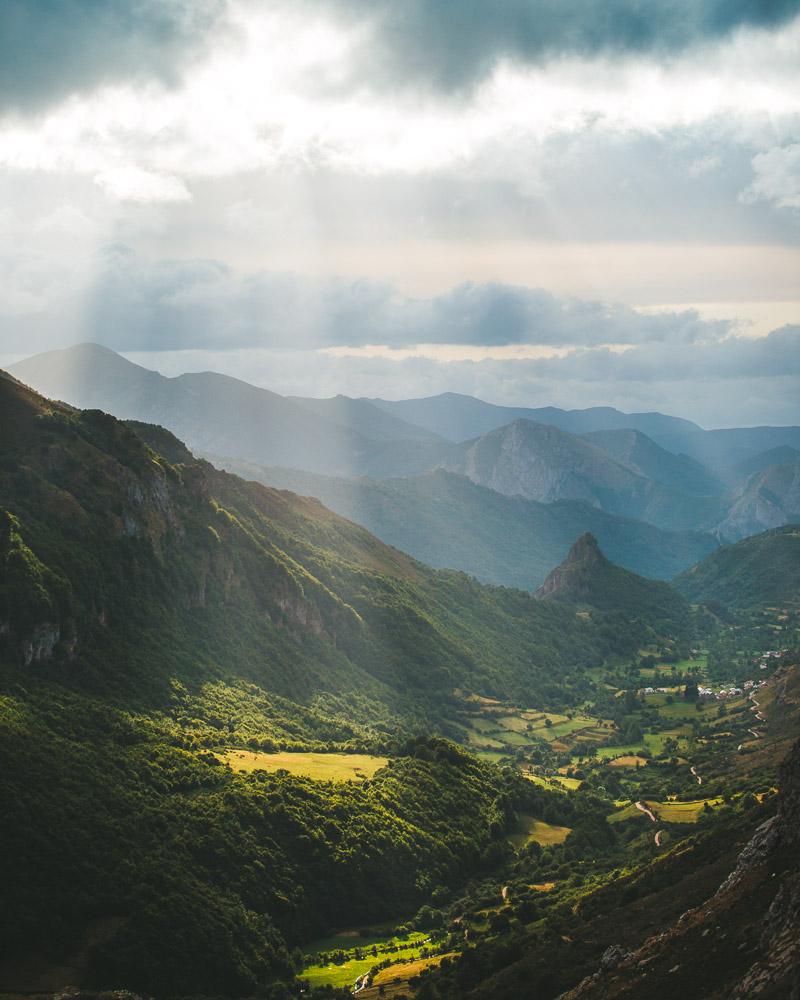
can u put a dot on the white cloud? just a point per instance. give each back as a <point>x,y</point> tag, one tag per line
<point>131,183</point>
<point>276,91</point>
<point>777,177</point>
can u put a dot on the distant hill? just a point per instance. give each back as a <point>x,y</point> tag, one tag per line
<point>587,577</point>
<point>782,455</point>
<point>755,572</point>
<point>365,418</point>
<point>213,412</point>
<point>460,418</point>
<point>769,499</point>
<point>640,453</point>
<point>643,466</point>
<point>541,462</point>
<point>449,521</point>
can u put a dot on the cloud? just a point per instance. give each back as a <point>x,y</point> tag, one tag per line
<point>50,49</point>
<point>716,388</point>
<point>454,44</point>
<point>777,177</point>
<point>136,304</point>
<point>731,358</point>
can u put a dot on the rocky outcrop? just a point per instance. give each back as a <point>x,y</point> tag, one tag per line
<point>570,577</point>
<point>40,645</point>
<point>747,933</point>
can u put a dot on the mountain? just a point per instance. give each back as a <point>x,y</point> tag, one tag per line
<point>587,577</point>
<point>83,486</point>
<point>365,418</point>
<point>450,522</point>
<point>756,572</point>
<point>622,471</point>
<point>209,411</point>
<point>642,455</point>
<point>541,462</point>
<point>769,499</point>
<point>156,614</point>
<point>217,413</point>
<point>782,455</point>
<point>461,418</point>
<point>742,941</point>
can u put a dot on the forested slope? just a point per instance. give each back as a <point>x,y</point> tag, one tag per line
<point>153,612</point>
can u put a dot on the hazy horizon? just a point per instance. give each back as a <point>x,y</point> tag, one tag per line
<point>557,206</point>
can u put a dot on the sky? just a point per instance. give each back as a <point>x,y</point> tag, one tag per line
<point>538,202</point>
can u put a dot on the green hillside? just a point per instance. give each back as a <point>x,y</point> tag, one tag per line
<point>155,612</point>
<point>449,521</point>
<point>755,572</point>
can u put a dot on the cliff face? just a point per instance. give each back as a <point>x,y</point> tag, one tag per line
<point>743,942</point>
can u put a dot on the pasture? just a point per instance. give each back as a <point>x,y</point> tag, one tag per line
<point>532,829</point>
<point>319,766</point>
<point>360,955</point>
<point>667,812</point>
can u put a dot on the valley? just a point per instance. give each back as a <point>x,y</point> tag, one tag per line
<point>399,500</point>
<point>228,708</point>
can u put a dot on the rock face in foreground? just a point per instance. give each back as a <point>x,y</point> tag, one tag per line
<point>743,942</point>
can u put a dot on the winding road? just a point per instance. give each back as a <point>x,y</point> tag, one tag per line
<point>693,769</point>
<point>648,812</point>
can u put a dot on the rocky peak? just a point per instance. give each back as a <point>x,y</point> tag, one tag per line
<point>581,560</point>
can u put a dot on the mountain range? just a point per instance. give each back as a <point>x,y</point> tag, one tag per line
<point>158,615</point>
<point>659,470</point>
<point>447,520</point>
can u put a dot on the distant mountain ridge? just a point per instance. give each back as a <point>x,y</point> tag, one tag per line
<point>645,466</point>
<point>769,499</point>
<point>541,462</point>
<point>460,418</point>
<point>448,521</point>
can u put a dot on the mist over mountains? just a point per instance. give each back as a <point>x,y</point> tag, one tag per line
<point>500,492</point>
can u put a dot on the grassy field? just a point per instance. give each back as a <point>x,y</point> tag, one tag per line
<point>321,766</point>
<point>496,726</point>
<point>628,760</point>
<point>407,970</point>
<point>619,749</point>
<point>346,973</point>
<point>536,829</point>
<point>558,781</point>
<point>667,812</point>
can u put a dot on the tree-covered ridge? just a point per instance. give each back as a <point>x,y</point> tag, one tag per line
<point>447,520</point>
<point>755,572</point>
<point>195,879</point>
<point>154,610</point>
<point>183,569</point>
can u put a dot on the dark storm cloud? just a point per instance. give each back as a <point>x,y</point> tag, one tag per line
<point>453,43</point>
<point>187,304</point>
<point>50,49</point>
